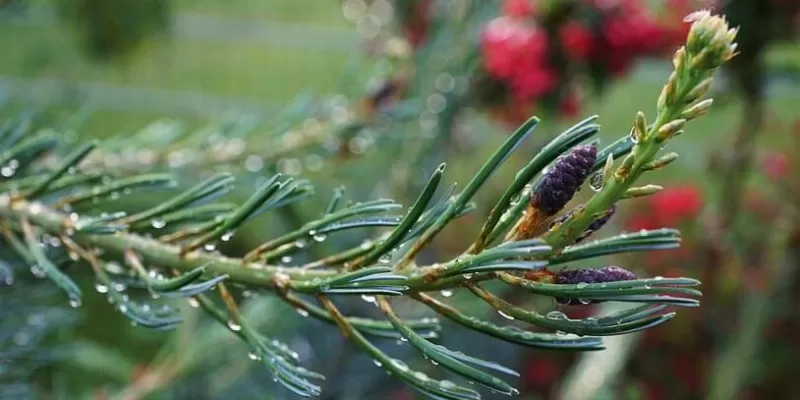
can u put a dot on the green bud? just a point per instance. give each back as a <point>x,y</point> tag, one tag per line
<point>660,162</point>
<point>679,59</point>
<point>608,168</point>
<point>670,129</point>
<point>710,40</point>
<point>640,126</point>
<point>697,110</point>
<point>700,90</point>
<point>667,96</point>
<point>640,191</point>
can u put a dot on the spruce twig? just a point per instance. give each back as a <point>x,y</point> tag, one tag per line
<point>54,235</point>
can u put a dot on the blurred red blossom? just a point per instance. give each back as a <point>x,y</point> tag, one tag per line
<point>519,8</point>
<point>668,208</point>
<point>537,55</point>
<point>576,38</point>
<point>540,372</point>
<point>775,165</point>
<point>514,50</point>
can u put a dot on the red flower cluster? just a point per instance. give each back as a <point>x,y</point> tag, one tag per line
<point>626,33</point>
<point>537,53</point>
<point>668,208</point>
<point>515,51</point>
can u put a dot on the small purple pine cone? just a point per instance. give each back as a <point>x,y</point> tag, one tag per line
<point>564,179</point>
<point>595,226</point>
<point>587,275</point>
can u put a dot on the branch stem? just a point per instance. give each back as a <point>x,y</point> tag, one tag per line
<point>152,251</point>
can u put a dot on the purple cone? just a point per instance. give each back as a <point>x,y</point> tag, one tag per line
<point>564,179</point>
<point>587,275</point>
<point>593,227</point>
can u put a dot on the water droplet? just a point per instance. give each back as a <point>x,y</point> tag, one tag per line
<point>447,293</point>
<point>581,285</point>
<point>123,308</point>
<point>632,135</point>
<point>658,278</point>
<point>286,259</point>
<point>377,363</point>
<point>226,236</point>
<point>369,299</point>
<point>302,312</point>
<point>300,243</point>
<point>420,376</point>
<point>158,223</point>
<point>596,181</point>
<point>561,333</point>
<point>447,384</point>
<point>253,356</point>
<point>468,276</point>
<point>319,238</point>
<point>37,271</point>
<point>557,315</point>
<point>101,288</point>
<point>210,247</point>
<point>234,326</point>
<point>119,287</point>
<point>75,302</point>
<point>504,315</point>
<point>400,365</point>
<point>528,335</point>
<point>193,302</point>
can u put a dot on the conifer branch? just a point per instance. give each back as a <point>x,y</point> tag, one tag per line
<point>170,249</point>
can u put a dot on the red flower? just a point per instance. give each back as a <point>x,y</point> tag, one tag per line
<point>515,52</point>
<point>540,372</point>
<point>668,208</point>
<point>640,222</point>
<point>678,203</point>
<point>505,41</point>
<point>534,82</point>
<point>627,32</point>
<point>519,8</point>
<point>576,40</point>
<point>775,166</point>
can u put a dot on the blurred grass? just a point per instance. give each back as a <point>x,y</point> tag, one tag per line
<point>224,69</point>
<point>321,13</point>
<point>245,71</point>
